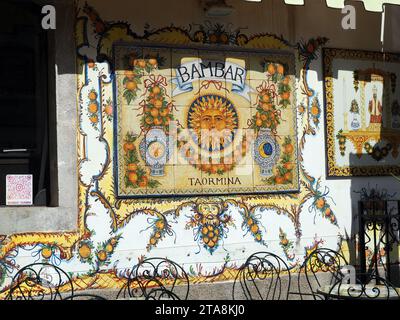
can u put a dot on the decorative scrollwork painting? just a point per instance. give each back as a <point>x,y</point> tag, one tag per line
<point>363,114</point>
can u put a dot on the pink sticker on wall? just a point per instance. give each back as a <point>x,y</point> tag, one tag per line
<point>19,190</point>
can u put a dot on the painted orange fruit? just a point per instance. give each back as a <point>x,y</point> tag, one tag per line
<point>144,182</point>
<point>285,95</point>
<point>84,251</point>
<point>320,203</point>
<point>164,112</point>
<point>94,119</point>
<point>250,222</point>
<point>92,95</point>
<point>213,38</point>
<point>160,224</point>
<point>280,69</point>
<point>288,176</point>
<point>266,98</point>
<point>266,106</point>
<point>224,38</point>
<point>140,63</point>
<point>129,74</point>
<point>286,81</point>
<point>284,242</point>
<point>128,146</point>
<point>158,104</point>
<point>156,90</point>
<point>93,107</point>
<point>328,212</point>
<point>211,244</point>
<point>154,112</point>
<point>153,62</point>
<point>314,110</point>
<point>102,255</point>
<point>108,109</point>
<point>288,165</point>
<point>130,85</point>
<point>289,148</point>
<point>279,180</point>
<point>214,169</point>
<point>109,248</point>
<point>157,121</point>
<point>263,117</point>
<point>258,122</point>
<point>271,69</point>
<point>132,167</point>
<point>254,228</point>
<point>133,177</point>
<point>153,241</point>
<point>157,235</point>
<point>46,252</point>
<point>149,120</point>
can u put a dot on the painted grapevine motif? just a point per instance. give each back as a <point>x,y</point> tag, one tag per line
<point>210,223</point>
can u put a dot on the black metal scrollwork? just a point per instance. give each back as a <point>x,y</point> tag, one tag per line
<point>40,281</point>
<point>261,278</point>
<point>156,279</point>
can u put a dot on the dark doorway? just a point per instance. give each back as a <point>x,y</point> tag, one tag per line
<point>24,105</point>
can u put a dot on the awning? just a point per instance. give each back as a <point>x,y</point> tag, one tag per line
<point>369,5</point>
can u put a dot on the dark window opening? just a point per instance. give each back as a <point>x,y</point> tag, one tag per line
<point>24,100</point>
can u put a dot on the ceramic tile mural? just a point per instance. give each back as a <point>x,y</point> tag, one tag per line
<point>126,92</point>
<point>204,121</point>
<point>363,112</point>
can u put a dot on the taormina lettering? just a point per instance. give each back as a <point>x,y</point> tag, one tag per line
<point>214,181</point>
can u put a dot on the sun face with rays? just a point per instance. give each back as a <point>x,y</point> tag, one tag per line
<point>212,121</point>
<point>210,113</point>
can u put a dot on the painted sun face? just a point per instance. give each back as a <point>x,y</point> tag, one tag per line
<point>213,119</point>
<point>210,113</point>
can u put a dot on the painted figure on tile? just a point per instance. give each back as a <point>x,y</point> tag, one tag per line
<point>355,111</point>
<point>375,107</point>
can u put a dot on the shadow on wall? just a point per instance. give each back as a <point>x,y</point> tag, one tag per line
<point>369,134</point>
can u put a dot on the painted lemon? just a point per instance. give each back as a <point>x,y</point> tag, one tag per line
<point>84,251</point>
<point>131,85</point>
<point>102,255</point>
<point>93,107</point>
<point>328,212</point>
<point>156,90</point>
<point>132,167</point>
<point>153,62</point>
<point>254,228</point>
<point>46,252</point>
<point>160,224</point>
<point>320,203</point>
<point>92,95</point>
